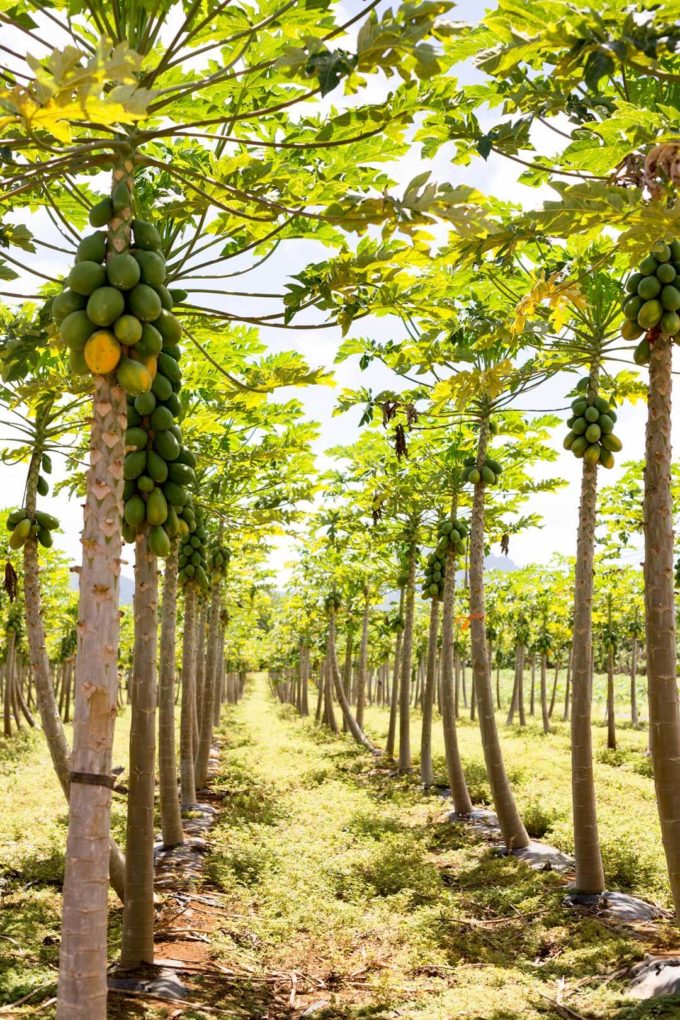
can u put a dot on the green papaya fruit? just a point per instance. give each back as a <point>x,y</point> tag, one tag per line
<point>136,438</point>
<point>133,415</point>
<point>579,406</point>
<point>173,405</point>
<point>632,307</point>
<point>92,248</point>
<point>146,236</point>
<point>134,511</point>
<point>128,329</point>
<point>46,463</point>
<point>156,508</point>
<point>591,414</point>
<point>642,353</point>
<point>86,277</point>
<point>123,271</point>
<point>178,295</point>
<point>666,272</point>
<point>474,476</point>
<point>65,303</point>
<point>579,446</point>
<point>145,483</point>
<point>169,327</point>
<point>134,377</point>
<point>649,287</point>
<point>171,523</point>
<point>568,440</point>
<point>134,464</point>
<point>648,266</point>
<point>43,487</point>
<point>607,459</point>
<point>76,329</point>
<point>650,314</point>
<point>106,304</point>
<point>128,532</point>
<point>168,367</point>
<point>144,302</point>
<point>76,360</point>
<point>162,387</point>
<point>593,433</point>
<point>181,473</point>
<point>592,454</point>
<point>156,467</point>
<point>633,282</point>
<point>45,538</point>
<point>670,299</point>
<point>129,488</point>
<point>661,252</point>
<point>631,330</point>
<point>670,323</point>
<point>14,517</point>
<point>166,300</point>
<point>488,476</point>
<point>152,341</point>
<point>159,543</point>
<point>101,213</point>
<point>612,442</point>
<point>166,445</point>
<point>579,426</point>
<point>145,403</point>
<point>151,267</point>
<point>175,494</point>
<point>46,520</point>
<point>20,533</point>
<point>161,419</point>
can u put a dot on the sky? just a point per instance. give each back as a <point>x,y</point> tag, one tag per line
<point>496,176</point>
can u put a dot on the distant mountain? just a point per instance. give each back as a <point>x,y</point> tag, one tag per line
<point>493,562</point>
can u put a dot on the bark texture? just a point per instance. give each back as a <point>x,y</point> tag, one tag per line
<point>171,817</point>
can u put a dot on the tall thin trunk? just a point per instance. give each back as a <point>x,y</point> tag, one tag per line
<point>553,695</point>
<point>662,690</point>
<point>498,682</point>
<point>406,655</point>
<point>331,721</point>
<point>171,817</point>
<point>633,684</point>
<point>186,739</point>
<point>454,766</point>
<point>567,690</point>
<point>40,668</point>
<point>611,708</point>
<point>394,690</point>
<point>520,684</point>
<point>532,695</point>
<point>513,699</point>
<point>138,912</point>
<point>199,671</point>
<point>511,825</point>
<point>363,661</point>
<point>351,723</point>
<point>544,693</point>
<point>589,870</point>
<point>210,676</point>
<point>426,772</point>
<point>82,956</point>
<point>9,681</point>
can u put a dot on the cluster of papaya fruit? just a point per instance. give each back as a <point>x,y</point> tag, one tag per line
<point>543,642</point>
<point>652,299</point>
<point>488,473</point>
<point>115,314</point>
<point>192,561</point>
<point>333,601</point>
<point>21,524</point>
<point>609,638</point>
<point>591,429</point>
<point>218,560</point>
<point>450,533</point>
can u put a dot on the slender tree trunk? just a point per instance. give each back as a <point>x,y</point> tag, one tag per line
<point>9,678</point>
<point>363,661</point>
<point>633,685</point>
<point>208,703</point>
<point>171,817</point>
<point>513,700</point>
<point>567,691</point>
<point>589,870</point>
<point>662,690</point>
<point>138,913</point>
<point>319,697</point>
<point>454,766</point>
<point>406,656</point>
<point>520,685</point>
<point>498,682</point>
<point>186,742</point>
<point>511,825</point>
<point>456,675</point>
<point>553,694</point>
<point>199,673</point>
<point>426,772</point>
<point>350,721</point>
<point>394,690</point>
<point>544,693</point>
<point>532,695</point>
<point>611,708</point>
<point>331,721</point>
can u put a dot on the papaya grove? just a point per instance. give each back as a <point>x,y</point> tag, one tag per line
<point>338,654</point>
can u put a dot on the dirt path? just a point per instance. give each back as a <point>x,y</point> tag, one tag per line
<point>327,887</point>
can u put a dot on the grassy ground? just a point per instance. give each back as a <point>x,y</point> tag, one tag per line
<point>353,880</point>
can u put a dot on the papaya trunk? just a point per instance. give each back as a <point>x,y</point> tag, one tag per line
<point>567,690</point>
<point>394,690</point>
<point>532,695</point>
<point>664,712</point>
<point>350,722</point>
<point>40,668</point>
<point>544,693</point>
<point>406,656</point>
<point>633,685</point>
<point>454,766</point>
<point>589,871</point>
<point>8,672</point>
<point>199,672</point>
<point>611,707</point>
<point>553,695</point>
<point>171,818</point>
<point>426,773</point>
<point>186,742</point>
<point>208,703</point>
<point>363,662</point>
<point>331,721</point>
<point>138,913</point>
<point>511,825</point>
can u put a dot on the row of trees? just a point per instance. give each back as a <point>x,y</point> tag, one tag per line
<point>217,144</point>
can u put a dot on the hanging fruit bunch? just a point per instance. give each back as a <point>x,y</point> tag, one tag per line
<point>652,303</point>
<point>451,533</point>
<point>488,473</point>
<point>609,638</point>
<point>218,560</point>
<point>115,314</point>
<point>433,582</point>
<point>15,620</point>
<point>333,601</point>
<point>192,562</point>
<point>591,429</point>
<point>543,643</point>
<point>677,572</point>
<point>22,525</point>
